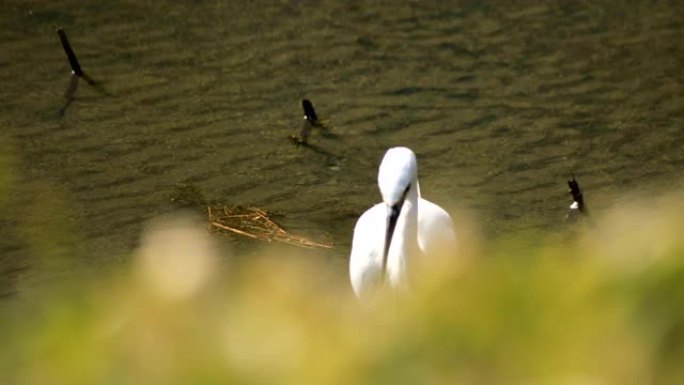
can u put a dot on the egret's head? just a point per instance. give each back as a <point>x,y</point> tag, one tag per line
<point>398,171</point>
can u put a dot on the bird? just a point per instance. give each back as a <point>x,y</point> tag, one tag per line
<point>402,230</point>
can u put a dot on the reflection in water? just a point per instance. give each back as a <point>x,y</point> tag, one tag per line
<point>499,101</point>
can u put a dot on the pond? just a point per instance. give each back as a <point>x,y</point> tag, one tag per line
<point>501,101</point>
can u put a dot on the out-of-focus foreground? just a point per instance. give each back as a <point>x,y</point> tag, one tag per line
<point>604,305</point>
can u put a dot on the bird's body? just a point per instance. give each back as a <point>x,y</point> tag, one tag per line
<point>403,230</point>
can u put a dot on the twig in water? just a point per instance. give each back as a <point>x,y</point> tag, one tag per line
<point>73,62</point>
<point>76,73</point>
<point>254,223</point>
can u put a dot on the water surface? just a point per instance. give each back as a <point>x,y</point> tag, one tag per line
<point>500,100</point>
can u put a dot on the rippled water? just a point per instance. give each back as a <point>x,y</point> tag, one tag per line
<point>500,101</point>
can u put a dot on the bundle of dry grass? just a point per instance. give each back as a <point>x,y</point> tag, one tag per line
<point>255,223</point>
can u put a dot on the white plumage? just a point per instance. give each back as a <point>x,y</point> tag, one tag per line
<point>402,230</point>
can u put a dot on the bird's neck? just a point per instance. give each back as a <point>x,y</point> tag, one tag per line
<point>404,246</point>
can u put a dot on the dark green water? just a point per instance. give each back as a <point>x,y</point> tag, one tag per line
<point>500,100</point>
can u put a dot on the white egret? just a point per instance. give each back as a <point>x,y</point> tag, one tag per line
<point>392,235</point>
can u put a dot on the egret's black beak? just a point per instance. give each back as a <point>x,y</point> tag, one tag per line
<point>392,217</point>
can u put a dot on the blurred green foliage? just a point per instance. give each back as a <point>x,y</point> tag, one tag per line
<point>604,306</point>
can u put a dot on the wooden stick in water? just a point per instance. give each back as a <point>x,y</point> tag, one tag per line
<point>220,226</point>
<point>576,193</point>
<point>256,224</point>
<point>577,209</point>
<point>310,121</point>
<point>309,112</point>
<point>73,62</point>
<point>76,72</point>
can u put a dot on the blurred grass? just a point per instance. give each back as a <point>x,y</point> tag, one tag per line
<point>604,306</point>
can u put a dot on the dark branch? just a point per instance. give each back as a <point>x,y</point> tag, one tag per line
<point>309,112</point>
<point>576,193</point>
<point>75,67</point>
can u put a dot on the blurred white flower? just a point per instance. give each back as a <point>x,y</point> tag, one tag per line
<point>176,257</point>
